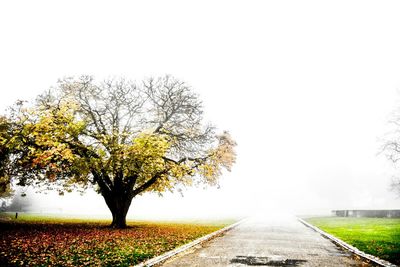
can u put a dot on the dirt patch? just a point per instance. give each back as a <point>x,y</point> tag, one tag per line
<point>266,261</point>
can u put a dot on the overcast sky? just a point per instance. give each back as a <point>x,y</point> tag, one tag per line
<point>305,87</point>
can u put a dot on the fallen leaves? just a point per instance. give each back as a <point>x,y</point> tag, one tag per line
<point>76,244</point>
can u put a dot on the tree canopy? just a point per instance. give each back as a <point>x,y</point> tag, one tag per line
<point>125,138</point>
<point>5,137</point>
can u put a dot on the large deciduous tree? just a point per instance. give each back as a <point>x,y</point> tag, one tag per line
<point>126,138</point>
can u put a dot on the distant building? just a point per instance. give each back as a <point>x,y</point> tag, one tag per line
<point>367,213</point>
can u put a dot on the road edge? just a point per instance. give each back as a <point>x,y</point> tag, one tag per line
<point>348,247</point>
<point>174,252</point>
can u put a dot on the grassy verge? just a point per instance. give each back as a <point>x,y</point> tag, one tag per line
<point>376,236</point>
<point>42,241</point>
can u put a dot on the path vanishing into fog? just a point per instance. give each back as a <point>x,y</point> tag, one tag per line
<point>273,241</point>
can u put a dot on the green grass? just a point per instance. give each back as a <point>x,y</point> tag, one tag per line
<point>44,240</point>
<point>376,236</point>
<point>51,218</point>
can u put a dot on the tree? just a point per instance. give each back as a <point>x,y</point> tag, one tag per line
<point>395,185</point>
<point>125,138</point>
<point>391,148</point>
<point>21,202</point>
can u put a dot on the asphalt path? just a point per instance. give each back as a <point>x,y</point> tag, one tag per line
<point>267,241</point>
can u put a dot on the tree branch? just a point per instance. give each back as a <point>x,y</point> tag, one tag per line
<point>148,183</point>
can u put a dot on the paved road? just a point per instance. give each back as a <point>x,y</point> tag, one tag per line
<point>277,241</point>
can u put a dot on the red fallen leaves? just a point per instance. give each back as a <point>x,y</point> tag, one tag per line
<point>74,244</point>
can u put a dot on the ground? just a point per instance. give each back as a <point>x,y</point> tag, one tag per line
<point>273,240</point>
<point>42,241</point>
<point>376,236</point>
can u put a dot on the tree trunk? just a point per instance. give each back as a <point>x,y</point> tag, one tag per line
<point>119,208</point>
<point>119,218</point>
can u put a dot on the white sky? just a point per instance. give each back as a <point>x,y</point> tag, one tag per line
<point>305,87</point>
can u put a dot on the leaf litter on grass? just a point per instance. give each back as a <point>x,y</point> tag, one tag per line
<point>84,244</point>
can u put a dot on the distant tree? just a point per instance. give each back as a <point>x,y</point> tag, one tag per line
<point>395,185</point>
<point>20,202</point>
<point>391,148</point>
<point>125,138</point>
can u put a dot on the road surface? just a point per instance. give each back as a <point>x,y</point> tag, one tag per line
<point>272,241</point>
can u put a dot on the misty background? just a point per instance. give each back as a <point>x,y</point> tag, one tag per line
<point>305,88</point>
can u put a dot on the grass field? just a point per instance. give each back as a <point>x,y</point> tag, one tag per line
<point>33,240</point>
<point>376,236</point>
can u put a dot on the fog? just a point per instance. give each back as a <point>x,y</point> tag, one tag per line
<point>305,88</point>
